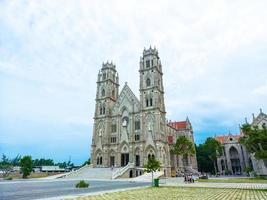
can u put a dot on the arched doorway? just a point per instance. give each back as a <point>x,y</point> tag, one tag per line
<point>99,158</point>
<point>131,174</point>
<point>222,164</point>
<point>124,155</point>
<point>137,157</point>
<point>235,161</point>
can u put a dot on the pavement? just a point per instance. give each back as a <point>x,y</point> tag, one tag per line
<point>180,183</point>
<point>60,188</point>
<point>33,189</point>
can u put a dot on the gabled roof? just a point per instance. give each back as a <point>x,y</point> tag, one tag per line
<point>223,139</point>
<point>127,93</point>
<point>259,118</point>
<point>178,125</point>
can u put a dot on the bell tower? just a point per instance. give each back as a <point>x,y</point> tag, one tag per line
<point>106,96</point>
<point>107,90</point>
<point>151,85</point>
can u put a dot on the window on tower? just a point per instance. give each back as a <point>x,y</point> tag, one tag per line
<point>113,139</point>
<point>148,82</point>
<point>104,76</point>
<point>136,137</point>
<point>146,102</point>
<point>103,93</point>
<point>113,94</point>
<point>151,102</point>
<point>113,128</point>
<point>147,64</point>
<point>137,125</point>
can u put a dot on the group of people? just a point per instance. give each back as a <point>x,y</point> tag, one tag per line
<point>189,178</point>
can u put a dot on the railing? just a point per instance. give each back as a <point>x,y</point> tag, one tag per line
<point>121,171</point>
<point>78,170</point>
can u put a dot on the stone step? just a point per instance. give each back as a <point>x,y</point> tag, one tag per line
<point>91,173</point>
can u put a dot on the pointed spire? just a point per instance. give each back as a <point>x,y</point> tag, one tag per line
<point>253,116</point>
<point>260,111</point>
<point>187,119</point>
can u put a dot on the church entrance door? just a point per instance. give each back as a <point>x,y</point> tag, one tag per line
<point>137,160</point>
<point>112,161</point>
<point>124,159</point>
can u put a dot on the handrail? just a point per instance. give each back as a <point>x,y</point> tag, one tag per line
<point>121,171</point>
<point>78,170</point>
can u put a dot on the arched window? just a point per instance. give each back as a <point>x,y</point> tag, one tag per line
<point>100,161</point>
<point>151,102</point>
<point>101,110</point>
<point>104,76</point>
<point>104,110</point>
<point>113,94</point>
<point>103,93</point>
<point>146,102</point>
<point>148,82</point>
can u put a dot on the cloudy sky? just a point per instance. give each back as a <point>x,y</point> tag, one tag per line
<point>214,56</point>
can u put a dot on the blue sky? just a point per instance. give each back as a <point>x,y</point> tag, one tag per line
<point>213,55</point>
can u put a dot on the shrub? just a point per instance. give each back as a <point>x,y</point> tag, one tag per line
<point>254,174</point>
<point>204,177</point>
<point>9,178</point>
<point>82,184</point>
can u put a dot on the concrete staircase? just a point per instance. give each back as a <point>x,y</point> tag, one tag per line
<point>120,171</point>
<point>147,177</point>
<point>88,172</point>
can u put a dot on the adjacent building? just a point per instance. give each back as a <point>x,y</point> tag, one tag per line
<point>235,158</point>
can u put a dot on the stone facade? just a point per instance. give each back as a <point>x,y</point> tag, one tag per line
<point>235,157</point>
<point>182,164</point>
<point>259,166</point>
<point>128,129</point>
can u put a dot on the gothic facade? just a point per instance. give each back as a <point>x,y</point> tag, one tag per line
<point>128,129</point>
<point>235,158</point>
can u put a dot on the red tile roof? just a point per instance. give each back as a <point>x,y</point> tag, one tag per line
<point>178,125</point>
<point>220,139</point>
<point>223,139</point>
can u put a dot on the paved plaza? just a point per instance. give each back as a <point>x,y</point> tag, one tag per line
<point>120,189</point>
<point>179,182</point>
<point>183,193</point>
<point>41,189</point>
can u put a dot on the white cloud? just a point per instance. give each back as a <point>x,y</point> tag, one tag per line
<point>212,54</point>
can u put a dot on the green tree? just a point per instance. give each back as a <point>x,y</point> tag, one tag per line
<point>43,162</point>
<point>204,164</point>
<point>26,166</point>
<point>207,155</point>
<point>5,166</point>
<point>255,140</point>
<point>152,166</point>
<point>88,162</point>
<point>183,147</point>
<point>214,150</point>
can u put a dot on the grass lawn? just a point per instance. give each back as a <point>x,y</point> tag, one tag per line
<point>183,193</point>
<point>234,180</point>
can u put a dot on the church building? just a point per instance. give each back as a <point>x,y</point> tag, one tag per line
<point>129,130</point>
